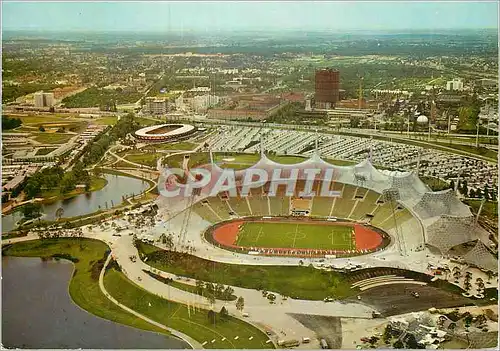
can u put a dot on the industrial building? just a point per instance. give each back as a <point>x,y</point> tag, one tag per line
<point>44,99</point>
<point>327,88</point>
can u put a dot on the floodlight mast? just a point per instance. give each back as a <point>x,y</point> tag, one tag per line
<point>211,157</point>
<point>392,195</point>
<point>316,143</point>
<point>418,159</point>
<point>261,145</point>
<point>479,211</point>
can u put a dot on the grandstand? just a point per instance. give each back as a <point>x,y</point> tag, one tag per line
<point>421,216</point>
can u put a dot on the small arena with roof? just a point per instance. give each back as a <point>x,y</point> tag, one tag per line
<point>165,132</point>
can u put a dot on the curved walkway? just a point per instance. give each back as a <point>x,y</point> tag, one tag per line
<point>193,343</point>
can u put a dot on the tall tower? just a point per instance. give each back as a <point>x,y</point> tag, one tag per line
<point>360,93</point>
<point>327,86</point>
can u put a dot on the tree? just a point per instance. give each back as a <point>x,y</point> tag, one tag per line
<point>59,213</point>
<point>219,289</point>
<point>228,292</point>
<point>271,297</point>
<point>163,239</point>
<point>472,193</point>
<point>387,333</point>
<point>210,297</point>
<point>41,129</point>
<point>223,313</point>
<point>31,210</point>
<point>479,193</point>
<point>68,182</point>
<point>464,189</point>
<point>200,286</point>
<point>486,192</point>
<point>354,122</point>
<point>212,316</point>
<point>398,344</point>
<point>169,241</point>
<point>240,303</point>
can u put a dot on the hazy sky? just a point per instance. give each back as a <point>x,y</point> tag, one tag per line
<point>201,16</point>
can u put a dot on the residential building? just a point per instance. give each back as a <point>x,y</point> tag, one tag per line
<point>455,84</point>
<point>203,102</point>
<point>44,99</point>
<point>156,106</point>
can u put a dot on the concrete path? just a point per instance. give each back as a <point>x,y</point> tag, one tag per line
<point>193,343</point>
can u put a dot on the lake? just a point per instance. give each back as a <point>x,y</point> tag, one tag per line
<point>37,312</point>
<point>109,196</point>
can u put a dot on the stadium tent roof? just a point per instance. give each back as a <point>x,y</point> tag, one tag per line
<point>480,256</point>
<point>438,203</point>
<point>446,221</point>
<point>449,231</point>
<point>410,187</point>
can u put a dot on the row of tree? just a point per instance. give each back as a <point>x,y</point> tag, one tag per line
<point>224,314</point>
<point>96,148</point>
<point>488,193</point>
<point>10,123</point>
<point>108,98</point>
<point>56,178</point>
<point>214,291</point>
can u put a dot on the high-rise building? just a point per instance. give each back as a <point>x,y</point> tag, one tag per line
<point>44,99</point>
<point>455,84</point>
<point>327,83</point>
<point>156,106</point>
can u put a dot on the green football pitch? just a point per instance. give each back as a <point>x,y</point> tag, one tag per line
<point>296,235</point>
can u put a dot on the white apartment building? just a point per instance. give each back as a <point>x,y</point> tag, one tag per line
<point>202,102</point>
<point>455,84</point>
<point>156,106</point>
<point>44,99</point>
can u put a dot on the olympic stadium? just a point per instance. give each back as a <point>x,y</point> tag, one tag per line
<point>387,214</point>
<point>164,132</point>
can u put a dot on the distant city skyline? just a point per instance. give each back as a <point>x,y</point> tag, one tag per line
<point>251,16</point>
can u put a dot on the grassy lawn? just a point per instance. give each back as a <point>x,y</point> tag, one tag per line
<point>107,121</point>
<point>435,184</point>
<point>490,208</point>
<point>294,281</point>
<point>124,174</point>
<point>296,235</point>
<point>147,159</point>
<point>41,119</point>
<point>481,151</point>
<point>240,160</point>
<point>193,322</point>
<point>95,184</point>
<point>182,145</point>
<point>84,286</point>
<point>147,122</point>
<point>186,287</point>
<point>53,138</point>
<point>44,151</point>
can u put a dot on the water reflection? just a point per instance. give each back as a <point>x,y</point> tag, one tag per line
<point>37,312</point>
<point>111,195</point>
